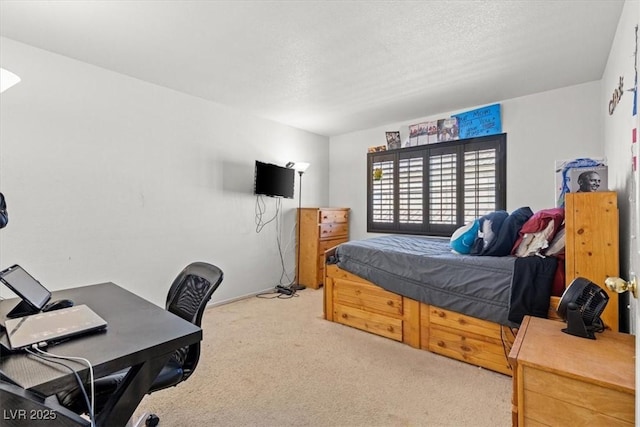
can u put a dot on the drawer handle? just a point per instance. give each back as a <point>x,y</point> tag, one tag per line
<point>344,315</point>
<point>440,344</point>
<point>390,328</point>
<point>440,313</point>
<point>390,303</point>
<point>465,348</point>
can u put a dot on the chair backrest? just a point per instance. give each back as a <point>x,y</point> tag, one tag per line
<point>188,297</point>
<point>20,408</point>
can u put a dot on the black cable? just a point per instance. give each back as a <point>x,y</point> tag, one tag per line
<point>598,325</point>
<point>260,210</point>
<point>73,371</point>
<point>278,240</point>
<point>277,294</point>
<point>91,378</point>
<point>504,346</point>
<point>284,270</point>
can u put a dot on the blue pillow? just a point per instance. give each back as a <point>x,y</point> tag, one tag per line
<point>463,238</point>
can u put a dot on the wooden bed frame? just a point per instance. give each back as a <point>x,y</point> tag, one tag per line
<point>591,221</point>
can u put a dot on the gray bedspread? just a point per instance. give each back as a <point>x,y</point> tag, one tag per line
<point>425,269</point>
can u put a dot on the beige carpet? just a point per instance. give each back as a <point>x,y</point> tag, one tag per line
<point>277,362</point>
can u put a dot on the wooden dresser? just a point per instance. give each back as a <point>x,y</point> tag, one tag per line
<point>564,380</point>
<point>320,229</point>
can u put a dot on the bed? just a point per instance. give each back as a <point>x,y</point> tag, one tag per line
<point>412,289</point>
<point>425,269</point>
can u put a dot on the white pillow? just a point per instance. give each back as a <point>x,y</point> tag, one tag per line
<point>557,244</point>
<point>533,243</point>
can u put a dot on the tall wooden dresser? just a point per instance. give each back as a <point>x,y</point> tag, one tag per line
<point>320,229</point>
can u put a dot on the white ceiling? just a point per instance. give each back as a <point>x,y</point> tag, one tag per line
<point>331,67</point>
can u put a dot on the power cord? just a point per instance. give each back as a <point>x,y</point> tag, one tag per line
<point>284,290</point>
<point>280,251</point>
<point>45,355</point>
<point>73,371</point>
<point>281,290</point>
<point>260,210</point>
<point>506,348</point>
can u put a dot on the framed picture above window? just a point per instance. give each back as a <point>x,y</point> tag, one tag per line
<point>393,140</point>
<point>435,189</point>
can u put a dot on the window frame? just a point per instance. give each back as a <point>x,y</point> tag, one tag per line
<point>459,147</point>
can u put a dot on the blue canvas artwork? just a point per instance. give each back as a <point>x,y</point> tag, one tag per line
<point>480,122</point>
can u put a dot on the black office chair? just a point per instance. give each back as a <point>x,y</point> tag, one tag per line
<point>24,408</point>
<point>188,297</point>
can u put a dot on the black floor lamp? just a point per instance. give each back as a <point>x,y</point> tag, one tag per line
<point>301,167</point>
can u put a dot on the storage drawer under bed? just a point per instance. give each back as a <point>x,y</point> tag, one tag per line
<point>467,338</point>
<point>369,308</point>
<point>366,297</point>
<point>378,324</point>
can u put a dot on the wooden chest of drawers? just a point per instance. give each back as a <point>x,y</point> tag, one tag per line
<point>320,229</point>
<point>564,380</point>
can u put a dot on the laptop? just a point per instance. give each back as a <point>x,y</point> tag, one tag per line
<point>52,327</point>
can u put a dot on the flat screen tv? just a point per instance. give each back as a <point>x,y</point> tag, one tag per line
<point>273,180</point>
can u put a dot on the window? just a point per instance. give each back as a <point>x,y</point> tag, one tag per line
<point>382,199</point>
<point>434,189</point>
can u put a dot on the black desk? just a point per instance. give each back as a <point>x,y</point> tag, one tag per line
<point>139,334</point>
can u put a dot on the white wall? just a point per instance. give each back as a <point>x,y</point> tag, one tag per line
<point>109,178</point>
<point>617,146</point>
<point>541,128</point>
<point>617,137</point>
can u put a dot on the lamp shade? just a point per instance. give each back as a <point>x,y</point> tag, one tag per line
<point>7,79</point>
<point>301,166</point>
